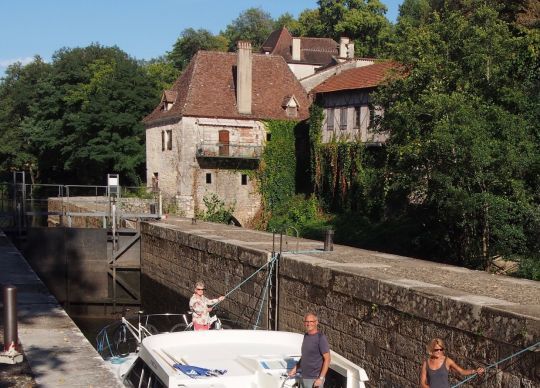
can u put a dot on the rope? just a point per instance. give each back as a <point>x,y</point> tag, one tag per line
<point>497,363</point>
<point>245,280</point>
<point>268,281</point>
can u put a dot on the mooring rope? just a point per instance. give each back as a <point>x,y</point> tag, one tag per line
<point>249,277</point>
<point>267,286</point>
<point>497,363</point>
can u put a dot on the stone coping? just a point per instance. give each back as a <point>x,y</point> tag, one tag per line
<point>503,308</point>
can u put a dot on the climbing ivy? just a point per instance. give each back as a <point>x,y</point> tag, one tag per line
<point>346,175</point>
<point>277,168</point>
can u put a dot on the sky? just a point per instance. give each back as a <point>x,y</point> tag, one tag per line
<point>144,29</point>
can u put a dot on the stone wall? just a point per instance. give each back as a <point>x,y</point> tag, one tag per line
<point>126,205</point>
<point>172,261</point>
<point>380,324</point>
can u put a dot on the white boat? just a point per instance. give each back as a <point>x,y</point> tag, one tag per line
<point>227,359</point>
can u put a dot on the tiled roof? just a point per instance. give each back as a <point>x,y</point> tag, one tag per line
<point>314,51</point>
<point>207,88</point>
<point>359,78</point>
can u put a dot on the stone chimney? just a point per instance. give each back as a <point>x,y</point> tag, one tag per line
<point>295,49</point>
<point>350,50</point>
<point>243,77</point>
<point>343,42</point>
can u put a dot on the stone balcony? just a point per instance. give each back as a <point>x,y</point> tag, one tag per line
<point>229,150</point>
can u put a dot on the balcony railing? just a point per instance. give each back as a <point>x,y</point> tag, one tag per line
<point>230,150</point>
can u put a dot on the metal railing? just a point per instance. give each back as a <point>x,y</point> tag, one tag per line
<point>228,150</point>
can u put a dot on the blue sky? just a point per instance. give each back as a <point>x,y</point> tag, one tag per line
<point>144,29</point>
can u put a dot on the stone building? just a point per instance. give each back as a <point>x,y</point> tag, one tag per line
<point>345,98</point>
<point>209,130</point>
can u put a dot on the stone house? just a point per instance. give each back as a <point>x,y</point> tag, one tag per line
<point>208,131</point>
<point>306,55</point>
<point>345,98</point>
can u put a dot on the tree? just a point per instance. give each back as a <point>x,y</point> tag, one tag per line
<point>363,21</point>
<point>191,41</point>
<point>309,24</point>
<point>463,151</point>
<point>86,121</point>
<point>253,25</point>
<point>18,93</point>
<point>286,20</point>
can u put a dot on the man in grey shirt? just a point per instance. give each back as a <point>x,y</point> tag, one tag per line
<point>315,358</point>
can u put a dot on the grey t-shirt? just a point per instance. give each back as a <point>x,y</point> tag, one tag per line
<point>313,347</point>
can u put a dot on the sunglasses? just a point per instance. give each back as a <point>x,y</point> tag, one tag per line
<point>438,350</point>
<point>200,289</point>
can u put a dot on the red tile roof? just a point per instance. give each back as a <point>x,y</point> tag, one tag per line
<point>207,88</point>
<point>313,51</point>
<point>359,78</point>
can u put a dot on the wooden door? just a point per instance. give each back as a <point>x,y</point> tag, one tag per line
<point>223,143</point>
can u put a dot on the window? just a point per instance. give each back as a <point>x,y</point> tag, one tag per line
<point>169,139</point>
<point>343,119</point>
<point>268,136</point>
<point>330,119</point>
<point>163,140</point>
<point>356,119</point>
<point>244,179</point>
<point>208,178</point>
<point>141,375</point>
<point>292,111</point>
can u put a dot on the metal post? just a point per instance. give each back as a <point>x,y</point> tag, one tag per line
<point>329,240</point>
<point>11,338</point>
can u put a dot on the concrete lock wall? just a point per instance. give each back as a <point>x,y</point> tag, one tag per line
<point>377,323</point>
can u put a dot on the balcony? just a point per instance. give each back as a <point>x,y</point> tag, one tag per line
<point>229,151</point>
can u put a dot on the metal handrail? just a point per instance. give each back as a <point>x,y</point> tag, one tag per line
<point>229,150</point>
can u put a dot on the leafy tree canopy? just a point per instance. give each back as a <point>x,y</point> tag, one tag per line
<point>78,118</point>
<point>191,41</point>
<point>463,154</point>
<point>253,25</point>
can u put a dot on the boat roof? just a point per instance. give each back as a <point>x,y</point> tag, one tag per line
<point>250,357</point>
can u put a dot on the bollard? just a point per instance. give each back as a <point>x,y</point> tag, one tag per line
<point>11,339</point>
<point>329,240</point>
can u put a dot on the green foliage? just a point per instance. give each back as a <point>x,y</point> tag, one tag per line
<point>361,20</point>
<point>78,118</point>
<point>161,72</point>
<point>529,267</point>
<point>215,210</point>
<point>191,41</point>
<point>253,25</point>
<point>278,165</point>
<point>463,150</point>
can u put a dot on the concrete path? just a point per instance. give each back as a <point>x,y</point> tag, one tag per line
<point>58,353</point>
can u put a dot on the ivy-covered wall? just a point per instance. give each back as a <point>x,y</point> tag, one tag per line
<point>346,176</point>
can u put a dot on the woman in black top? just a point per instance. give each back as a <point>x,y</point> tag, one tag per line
<point>436,368</point>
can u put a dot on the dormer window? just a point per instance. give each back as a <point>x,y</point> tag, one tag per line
<point>168,99</point>
<point>290,105</point>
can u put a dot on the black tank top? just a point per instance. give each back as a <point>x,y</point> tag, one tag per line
<point>438,378</point>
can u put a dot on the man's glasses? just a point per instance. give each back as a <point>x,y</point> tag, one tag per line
<point>310,321</point>
<point>438,350</point>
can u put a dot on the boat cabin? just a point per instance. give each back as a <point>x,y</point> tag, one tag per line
<point>229,359</point>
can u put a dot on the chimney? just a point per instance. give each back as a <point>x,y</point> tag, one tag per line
<point>295,49</point>
<point>343,42</point>
<point>350,50</point>
<point>243,78</point>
